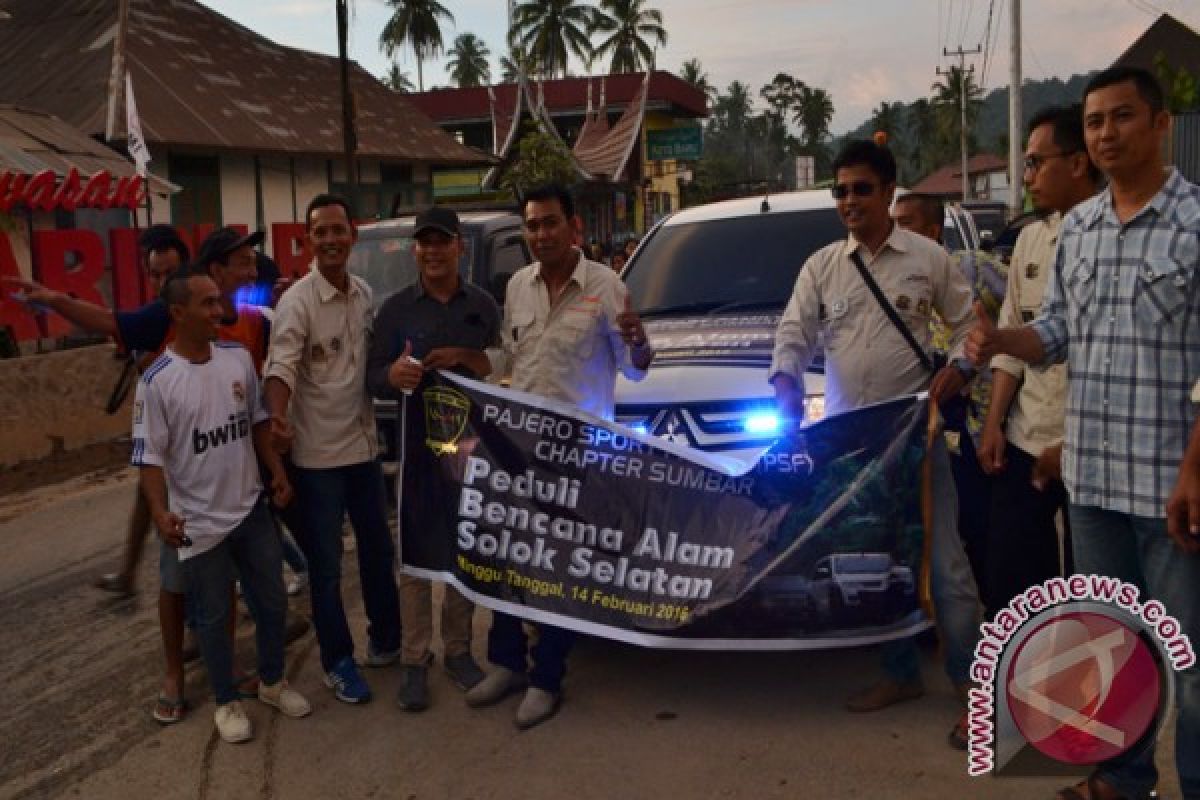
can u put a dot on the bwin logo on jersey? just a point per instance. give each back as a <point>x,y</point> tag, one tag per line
<point>238,427</point>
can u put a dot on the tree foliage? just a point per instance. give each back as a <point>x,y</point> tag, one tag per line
<point>550,31</point>
<point>397,80</point>
<point>632,32</point>
<point>469,61</point>
<point>415,23</point>
<point>541,159</point>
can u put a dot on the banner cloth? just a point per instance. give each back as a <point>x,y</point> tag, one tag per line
<point>536,509</point>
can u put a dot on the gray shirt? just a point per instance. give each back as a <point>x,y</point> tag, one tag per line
<point>469,319</point>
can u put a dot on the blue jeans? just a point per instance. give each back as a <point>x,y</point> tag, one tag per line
<point>955,598</point>
<point>1137,550</point>
<point>507,648</point>
<point>325,497</point>
<point>252,550</point>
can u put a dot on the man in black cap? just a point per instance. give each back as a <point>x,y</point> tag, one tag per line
<point>437,322</point>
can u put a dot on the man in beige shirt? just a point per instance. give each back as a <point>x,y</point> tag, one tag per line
<point>568,329</point>
<point>867,360</point>
<point>1028,493</point>
<point>316,393</point>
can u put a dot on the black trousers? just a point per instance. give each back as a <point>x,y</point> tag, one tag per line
<point>1022,538</point>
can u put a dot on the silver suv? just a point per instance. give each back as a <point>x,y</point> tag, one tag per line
<point>711,283</point>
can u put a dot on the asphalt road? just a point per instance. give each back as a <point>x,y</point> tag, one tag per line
<point>79,671</point>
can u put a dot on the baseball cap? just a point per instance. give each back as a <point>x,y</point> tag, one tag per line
<point>437,218</point>
<point>219,244</point>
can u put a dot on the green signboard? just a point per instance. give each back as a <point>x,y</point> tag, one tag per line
<point>682,144</point>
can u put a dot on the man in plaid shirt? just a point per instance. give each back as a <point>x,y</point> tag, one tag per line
<point>1123,309</point>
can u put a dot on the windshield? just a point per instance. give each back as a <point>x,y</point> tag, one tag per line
<point>863,564</point>
<point>387,265</point>
<point>741,263</point>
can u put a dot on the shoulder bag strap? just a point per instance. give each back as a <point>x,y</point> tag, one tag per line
<point>922,356</point>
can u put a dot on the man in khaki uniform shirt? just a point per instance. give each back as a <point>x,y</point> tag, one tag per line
<point>1023,537</point>
<point>568,329</point>
<point>867,360</point>
<point>315,389</point>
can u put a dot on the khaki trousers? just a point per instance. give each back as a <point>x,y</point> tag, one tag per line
<point>416,614</point>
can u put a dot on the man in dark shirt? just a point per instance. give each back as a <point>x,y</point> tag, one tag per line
<point>436,323</point>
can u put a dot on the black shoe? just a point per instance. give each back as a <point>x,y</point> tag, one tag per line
<point>414,690</point>
<point>463,670</point>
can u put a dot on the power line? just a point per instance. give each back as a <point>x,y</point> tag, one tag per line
<point>987,61</point>
<point>966,21</point>
<point>987,44</point>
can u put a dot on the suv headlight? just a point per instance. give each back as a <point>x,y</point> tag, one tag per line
<point>814,407</point>
<point>761,422</point>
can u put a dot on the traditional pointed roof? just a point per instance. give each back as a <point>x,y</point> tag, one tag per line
<point>202,80</point>
<point>605,155</point>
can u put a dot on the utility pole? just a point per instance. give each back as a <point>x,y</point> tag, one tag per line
<point>962,105</point>
<point>349,139</point>
<point>1016,164</point>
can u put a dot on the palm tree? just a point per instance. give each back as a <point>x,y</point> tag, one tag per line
<point>415,23</point>
<point>397,80</point>
<point>550,31</point>
<point>886,118</point>
<point>632,28</point>
<point>469,61</point>
<point>814,112</point>
<point>946,98</point>
<point>692,72</point>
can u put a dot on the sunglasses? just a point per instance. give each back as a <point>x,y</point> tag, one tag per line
<point>857,188</point>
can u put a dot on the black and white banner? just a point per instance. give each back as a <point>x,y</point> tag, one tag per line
<point>536,509</point>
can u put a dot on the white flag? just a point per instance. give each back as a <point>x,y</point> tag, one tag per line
<point>133,128</point>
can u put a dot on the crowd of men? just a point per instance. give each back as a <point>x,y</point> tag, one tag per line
<point>1077,444</point>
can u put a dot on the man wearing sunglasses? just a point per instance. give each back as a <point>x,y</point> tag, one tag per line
<point>868,360</point>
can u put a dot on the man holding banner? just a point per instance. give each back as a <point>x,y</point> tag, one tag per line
<point>875,350</point>
<point>446,322</point>
<point>568,328</point>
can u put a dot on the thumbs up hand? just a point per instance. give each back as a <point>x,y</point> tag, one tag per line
<point>984,340</point>
<point>405,372</point>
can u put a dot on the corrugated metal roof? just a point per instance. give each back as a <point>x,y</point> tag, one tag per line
<point>204,81</point>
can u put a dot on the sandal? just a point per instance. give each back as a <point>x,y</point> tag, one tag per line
<point>959,737</point>
<point>169,710</point>
<point>1095,789</point>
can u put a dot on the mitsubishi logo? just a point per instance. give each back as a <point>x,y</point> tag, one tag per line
<point>674,430</point>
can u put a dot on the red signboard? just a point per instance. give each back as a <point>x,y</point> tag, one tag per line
<point>74,261</point>
<point>43,191</point>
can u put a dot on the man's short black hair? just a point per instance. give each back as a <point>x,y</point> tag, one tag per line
<point>864,152</point>
<point>1067,124</point>
<point>1148,87</point>
<point>176,291</point>
<point>548,192</point>
<point>327,199</point>
<point>933,210</point>
<point>159,238</point>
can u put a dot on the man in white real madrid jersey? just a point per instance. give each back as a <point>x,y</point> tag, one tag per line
<point>197,423</point>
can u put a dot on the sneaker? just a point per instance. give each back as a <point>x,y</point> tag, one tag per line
<point>116,583</point>
<point>232,723</point>
<point>348,686</point>
<point>495,686</point>
<point>297,584</point>
<point>380,658</point>
<point>414,691</point>
<point>285,698</point>
<point>537,706</point>
<point>463,671</point>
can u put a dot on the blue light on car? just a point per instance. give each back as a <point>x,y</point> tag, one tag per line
<point>640,427</point>
<point>761,422</point>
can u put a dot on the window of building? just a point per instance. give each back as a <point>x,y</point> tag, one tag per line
<point>199,200</point>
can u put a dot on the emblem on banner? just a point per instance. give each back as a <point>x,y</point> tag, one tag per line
<point>445,418</point>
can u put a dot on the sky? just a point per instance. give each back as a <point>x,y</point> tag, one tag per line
<point>862,51</point>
